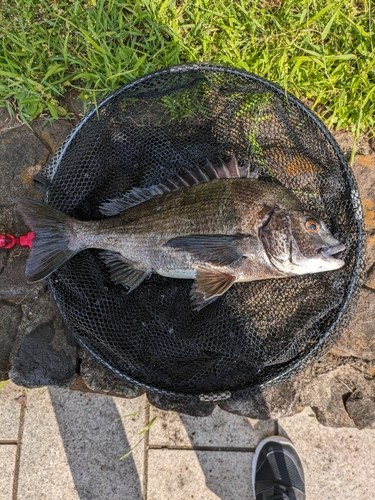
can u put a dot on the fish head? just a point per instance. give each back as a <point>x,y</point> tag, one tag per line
<point>298,243</point>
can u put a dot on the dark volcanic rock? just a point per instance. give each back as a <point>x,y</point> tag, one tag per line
<point>361,409</point>
<point>21,157</point>
<point>32,331</point>
<point>7,123</point>
<point>370,283</point>
<point>73,104</point>
<point>11,316</point>
<point>193,408</point>
<point>272,402</point>
<point>358,339</point>
<point>44,352</point>
<point>52,134</point>
<point>97,378</point>
<point>3,256</point>
<point>44,357</point>
<point>345,140</point>
<point>13,283</point>
<point>364,172</point>
<point>328,393</point>
<point>6,226</point>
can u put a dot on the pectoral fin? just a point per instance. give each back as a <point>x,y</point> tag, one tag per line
<point>209,285</point>
<point>221,250</point>
<point>122,271</point>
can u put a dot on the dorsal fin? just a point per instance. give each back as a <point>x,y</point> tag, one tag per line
<point>209,172</point>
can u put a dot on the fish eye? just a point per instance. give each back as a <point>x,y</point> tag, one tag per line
<point>312,226</point>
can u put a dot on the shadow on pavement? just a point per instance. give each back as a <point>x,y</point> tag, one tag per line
<point>93,441</point>
<point>227,473</point>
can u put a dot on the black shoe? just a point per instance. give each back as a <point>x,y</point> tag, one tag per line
<point>277,471</point>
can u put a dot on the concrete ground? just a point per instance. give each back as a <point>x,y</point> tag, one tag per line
<point>58,444</point>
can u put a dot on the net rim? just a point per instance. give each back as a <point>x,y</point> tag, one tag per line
<point>355,200</point>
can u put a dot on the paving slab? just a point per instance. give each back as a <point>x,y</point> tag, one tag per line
<point>338,463</point>
<point>220,429</point>
<point>199,475</point>
<point>9,411</point>
<point>7,464</point>
<point>72,444</point>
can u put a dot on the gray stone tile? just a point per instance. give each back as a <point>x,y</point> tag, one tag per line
<point>338,463</point>
<point>9,411</point>
<point>72,444</point>
<point>219,429</point>
<point>199,475</point>
<point>7,463</point>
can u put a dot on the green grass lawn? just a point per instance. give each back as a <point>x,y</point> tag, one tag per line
<point>320,50</point>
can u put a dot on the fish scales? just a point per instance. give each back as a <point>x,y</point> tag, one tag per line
<point>217,232</point>
<point>218,207</point>
<point>226,207</point>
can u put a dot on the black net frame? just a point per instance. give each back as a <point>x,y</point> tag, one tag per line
<point>258,334</point>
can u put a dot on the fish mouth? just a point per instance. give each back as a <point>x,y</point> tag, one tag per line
<point>328,252</point>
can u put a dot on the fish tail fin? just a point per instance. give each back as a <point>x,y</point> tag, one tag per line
<point>50,244</point>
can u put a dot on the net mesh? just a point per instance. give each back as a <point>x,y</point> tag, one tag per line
<point>256,334</point>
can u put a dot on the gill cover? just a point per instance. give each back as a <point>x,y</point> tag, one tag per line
<point>294,249</point>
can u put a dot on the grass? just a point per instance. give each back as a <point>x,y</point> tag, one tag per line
<point>143,432</point>
<point>320,50</point>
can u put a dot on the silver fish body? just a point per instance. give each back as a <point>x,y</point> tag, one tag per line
<point>218,232</point>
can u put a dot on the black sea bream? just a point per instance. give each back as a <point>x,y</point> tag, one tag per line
<point>214,225</point>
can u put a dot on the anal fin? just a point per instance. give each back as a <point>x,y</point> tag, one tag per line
<point>122,271</point>
<point>209,285</point>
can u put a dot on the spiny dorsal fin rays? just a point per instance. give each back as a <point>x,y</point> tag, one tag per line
<point>222,170</point>
<point>245,170</point>
<point>233,167</point>
<point>211,171</point>
<point>189,178</point>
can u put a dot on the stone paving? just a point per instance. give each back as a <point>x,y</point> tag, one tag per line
<point>65,445</point>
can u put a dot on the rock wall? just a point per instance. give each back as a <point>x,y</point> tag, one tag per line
<point>37,350</point>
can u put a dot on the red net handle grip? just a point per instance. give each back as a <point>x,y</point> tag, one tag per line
<point>9,241</point>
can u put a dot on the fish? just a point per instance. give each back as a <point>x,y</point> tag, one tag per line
<point>216,225</point>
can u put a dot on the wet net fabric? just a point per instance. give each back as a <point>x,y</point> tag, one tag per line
<point>258,333</point>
